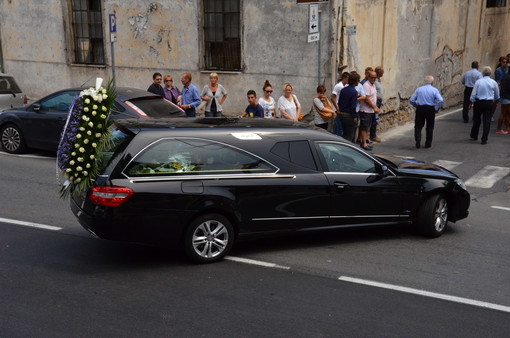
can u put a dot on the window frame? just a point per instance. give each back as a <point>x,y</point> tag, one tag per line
<point>207,55</point>
<point>197,175</point>
<point>99,40</point>
<point>327,168</point>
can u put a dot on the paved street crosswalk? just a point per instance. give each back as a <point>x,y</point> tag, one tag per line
<point>484,178</point>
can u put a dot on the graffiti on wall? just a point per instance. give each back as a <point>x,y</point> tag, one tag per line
<point>448,68</point>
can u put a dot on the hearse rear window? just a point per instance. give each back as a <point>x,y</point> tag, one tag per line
<point>195,157</point>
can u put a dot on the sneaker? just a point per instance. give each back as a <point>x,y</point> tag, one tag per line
<point>376,139</point>
<point>504,132</point>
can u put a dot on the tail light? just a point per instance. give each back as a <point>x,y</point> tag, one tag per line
<point>25,100</point>
<point>110,196</point>
<point>136,109</point>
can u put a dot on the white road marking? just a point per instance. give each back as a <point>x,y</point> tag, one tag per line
<point>30,224</point>
<point>419,292</point>
<point>254,262</point>
<point>447,164</point>
<point>498,207</point>
<point>486,177</point>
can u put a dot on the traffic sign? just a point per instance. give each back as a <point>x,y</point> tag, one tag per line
<point>113,23</point>
<point>313,18</point>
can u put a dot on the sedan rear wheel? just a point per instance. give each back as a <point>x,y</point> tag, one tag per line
<point>209,238</point>
<point>12,140</point>
<point>433,216</point>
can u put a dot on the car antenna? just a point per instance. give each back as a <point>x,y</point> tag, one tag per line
<point>83,84</point>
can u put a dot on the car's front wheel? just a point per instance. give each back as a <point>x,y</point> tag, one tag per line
<point>433,216</point>
<point>209,238</point>
<point>12,139</point>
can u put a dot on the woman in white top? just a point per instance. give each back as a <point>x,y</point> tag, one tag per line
<point>288,104</point>
<point>267,102</point>
<point>214,94</point>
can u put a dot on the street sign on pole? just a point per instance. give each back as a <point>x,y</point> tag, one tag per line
<point>313,18</point>
<point>113,38</point>
<point>113,23</point>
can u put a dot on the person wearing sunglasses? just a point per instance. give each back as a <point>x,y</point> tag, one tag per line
<point>267,102</point>
<point>171,92</point>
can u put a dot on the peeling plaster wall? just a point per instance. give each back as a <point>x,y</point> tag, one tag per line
<point>411,39</point>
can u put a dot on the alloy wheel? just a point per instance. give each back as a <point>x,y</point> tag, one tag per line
<point>11,139</point>
<point>210,239</point>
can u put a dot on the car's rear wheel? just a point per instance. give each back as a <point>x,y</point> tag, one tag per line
<point>12,139</point>
<point>209,238</point>
<point>433,216</point>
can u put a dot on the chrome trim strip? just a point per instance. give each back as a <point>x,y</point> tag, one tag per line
<point>207,177</point>
<point>287,218</point>
<point>372,216</point>
<point>347,226</point>
<point>323,217</point>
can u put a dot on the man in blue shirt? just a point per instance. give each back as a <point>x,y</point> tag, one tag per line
<point>468,79</point>
<point>427,101</point>
<point>347,107</point>
<point>254,109</point>
<point>190,97</point>
<point>485,96</point>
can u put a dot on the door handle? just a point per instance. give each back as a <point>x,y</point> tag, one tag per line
<point>341,185</point>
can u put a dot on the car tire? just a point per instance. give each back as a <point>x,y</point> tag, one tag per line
<point>209,238</point>
<point>433,216</point>
<point>12,139</point>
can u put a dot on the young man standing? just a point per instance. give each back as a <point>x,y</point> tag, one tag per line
<point>254,109</point>
<point>156,87</point>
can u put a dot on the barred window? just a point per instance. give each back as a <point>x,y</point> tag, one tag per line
<point>222,31</point>
<point>496,3</point>
<point>88,32</point>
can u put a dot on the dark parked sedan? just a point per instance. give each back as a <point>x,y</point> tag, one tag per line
<point>40,124</point>
<point>203,183</point>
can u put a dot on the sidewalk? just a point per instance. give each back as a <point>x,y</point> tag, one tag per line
<point>407,129</point>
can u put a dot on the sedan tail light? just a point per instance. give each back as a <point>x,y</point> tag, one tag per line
<point>109,196</point>
<point>25,100</point>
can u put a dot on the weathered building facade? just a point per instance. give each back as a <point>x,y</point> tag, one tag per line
<point>52,44</point>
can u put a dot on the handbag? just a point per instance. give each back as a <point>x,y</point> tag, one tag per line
<point>325,115</point>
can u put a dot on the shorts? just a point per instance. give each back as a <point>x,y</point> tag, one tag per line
<point>365,120</point>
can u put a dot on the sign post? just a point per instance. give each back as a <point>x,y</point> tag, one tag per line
<point>113,38</point>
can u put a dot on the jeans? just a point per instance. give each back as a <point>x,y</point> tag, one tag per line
<point>338,129</point>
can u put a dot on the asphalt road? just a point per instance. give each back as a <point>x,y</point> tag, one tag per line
<point>63,282</point>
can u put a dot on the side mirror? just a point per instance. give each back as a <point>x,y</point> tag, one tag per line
<point>383,170</point>
<point>36,107</point>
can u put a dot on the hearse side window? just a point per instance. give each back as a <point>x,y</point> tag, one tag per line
<point>297,152</point>
<point>195,157</point>
<point>340,158</point>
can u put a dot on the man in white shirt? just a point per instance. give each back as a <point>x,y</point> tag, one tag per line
<point>368,109</point>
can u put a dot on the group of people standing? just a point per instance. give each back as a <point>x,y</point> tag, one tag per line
<point>482,93</point>
<point>189,98</point>
<point>357,103</point>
